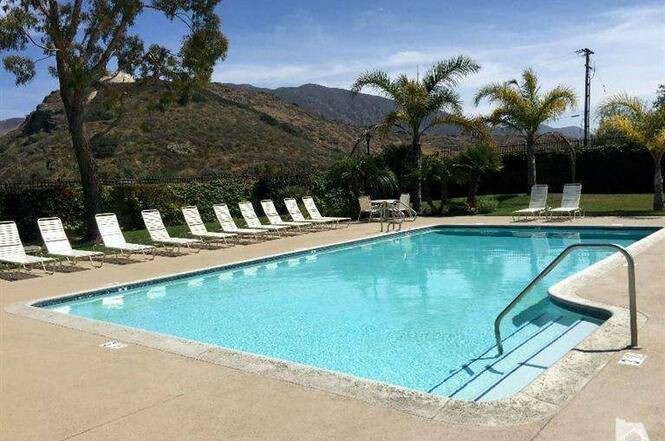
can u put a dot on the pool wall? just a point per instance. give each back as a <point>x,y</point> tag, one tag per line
<point>542,398</point>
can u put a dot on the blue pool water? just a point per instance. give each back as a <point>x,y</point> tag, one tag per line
<point>415,310</point>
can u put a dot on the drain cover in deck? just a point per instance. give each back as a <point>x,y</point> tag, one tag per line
<point>632,359</point>
<point>113,345</point>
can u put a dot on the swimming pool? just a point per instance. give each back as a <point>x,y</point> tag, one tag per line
<point>414,310</point>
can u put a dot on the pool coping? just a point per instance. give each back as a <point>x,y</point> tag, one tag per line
<point>543,397</point>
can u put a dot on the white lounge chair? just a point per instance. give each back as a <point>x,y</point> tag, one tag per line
<point>570,201</point>
<point>229,225</point>
<point>295,213</point>
<point>366,206</point>
<point>57,243</point>
<point>275,219</point>
<point>253,221</point>
<point>113,239</point>
<point>198,228</point>
<point>537,203</point>
<point>12,251</point>
<point>314,212</point>
<point>158,233</point>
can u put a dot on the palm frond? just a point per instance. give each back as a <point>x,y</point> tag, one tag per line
<point>449,72</point>
<point>623,104</point>
<point>556,102</point>
<point>529,86</point>
<point>377,80</point>
<point>498,92</point>
<point>444,99</point>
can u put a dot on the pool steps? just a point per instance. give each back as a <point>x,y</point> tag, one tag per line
<point>530,350</point>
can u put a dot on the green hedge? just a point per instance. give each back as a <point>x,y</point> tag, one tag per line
<point>26,205</point>
<point>607,170</point>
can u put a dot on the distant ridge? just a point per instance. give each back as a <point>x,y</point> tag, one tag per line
<point>363,110</point>
<point>9,124</point>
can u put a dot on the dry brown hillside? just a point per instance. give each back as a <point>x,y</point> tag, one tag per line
<point>220,129</point>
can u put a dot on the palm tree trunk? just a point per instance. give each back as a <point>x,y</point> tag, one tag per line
<point>530,162</point>
<point>444,195</point>
<point>474,185</point>
<point>658,182</point>
<point>417,195</point>
<point>73,103</point>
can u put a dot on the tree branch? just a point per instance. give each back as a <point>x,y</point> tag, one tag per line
<point>177,15</point>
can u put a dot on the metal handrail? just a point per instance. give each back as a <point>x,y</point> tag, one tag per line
<point>631,288</point>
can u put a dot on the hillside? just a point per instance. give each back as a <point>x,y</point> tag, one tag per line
<point>9,124</point>
<point>221,129</point>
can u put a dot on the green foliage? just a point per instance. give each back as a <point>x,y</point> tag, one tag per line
<point>659,102</point>
<point>355,176</point>
<point>422,104</point>
<point>23,68</point>
<point>522,106</point>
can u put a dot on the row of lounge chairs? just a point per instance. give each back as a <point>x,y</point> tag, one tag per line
<point>57,244</point>
<point>538,207</point>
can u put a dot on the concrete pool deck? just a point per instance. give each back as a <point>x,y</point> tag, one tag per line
<point>57,383</point>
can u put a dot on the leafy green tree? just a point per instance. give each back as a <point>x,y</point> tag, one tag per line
<point>524,107</point>
<point>421,104</point>
<point>635,120</point>
<point>83,37</point>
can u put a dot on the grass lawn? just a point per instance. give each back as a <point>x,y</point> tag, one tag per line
<point>593,204</point>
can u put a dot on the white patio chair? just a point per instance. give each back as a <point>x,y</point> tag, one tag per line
<point>295,213</point>
<point>253,221</point>
<point>113,239</point>
<point>314,212</point>
<point>158,233</point>
<point>198,228</point>
<point>366,206</point>
<point>570,201</point>
<point>229,225</point>
<point>57,244</point>
<point>404,205</point>
<point>12,251</point>
<point>537,203</point>
<point>274,218</point>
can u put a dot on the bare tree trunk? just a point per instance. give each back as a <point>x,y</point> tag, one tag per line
<point>530,162</point>
<point>73,101</point>
<point>658,183</point>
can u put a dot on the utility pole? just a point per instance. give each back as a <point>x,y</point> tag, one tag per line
<point>587,91</point>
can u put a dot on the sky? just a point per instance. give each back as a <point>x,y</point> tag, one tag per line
<point>293,42</point>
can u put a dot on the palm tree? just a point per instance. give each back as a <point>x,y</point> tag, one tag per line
<point>473,163</point>
<point>421,104</point>
<point>637,121</point>
<point>438,172</point>
<point>522,106</point>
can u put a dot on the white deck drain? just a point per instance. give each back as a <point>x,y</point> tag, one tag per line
<point>632,359</point>
<point>113,345</point>
<point>627,431</point>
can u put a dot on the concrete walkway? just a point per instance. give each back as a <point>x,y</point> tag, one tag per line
<point>57,383</point>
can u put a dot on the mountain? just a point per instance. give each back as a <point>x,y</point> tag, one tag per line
<point>9,124</point>
<point>340,105</point>
<point>221,129</point>
<point>573,132</point>
<point>362,109</point>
